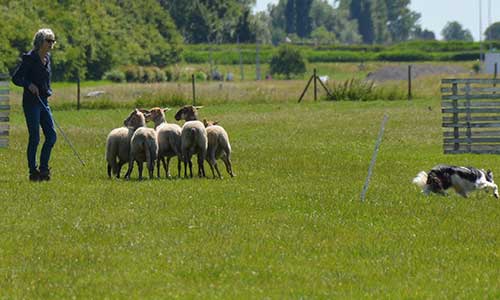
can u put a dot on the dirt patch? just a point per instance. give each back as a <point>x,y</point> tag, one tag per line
<point>401,72</point>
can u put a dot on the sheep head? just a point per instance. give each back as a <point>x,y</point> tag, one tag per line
<point>136,118</point>
<point>209,123</point>
<point>157,115</point>
<point>188,113</point>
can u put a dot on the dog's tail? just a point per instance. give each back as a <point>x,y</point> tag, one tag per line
<point>421,179</point>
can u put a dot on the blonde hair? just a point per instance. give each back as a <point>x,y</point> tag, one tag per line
<point>40,36</point>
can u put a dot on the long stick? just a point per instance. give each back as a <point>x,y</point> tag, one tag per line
<point>62,132</point>
<point>374,158</point>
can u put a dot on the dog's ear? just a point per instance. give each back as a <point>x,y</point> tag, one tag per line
<point>489,175</point>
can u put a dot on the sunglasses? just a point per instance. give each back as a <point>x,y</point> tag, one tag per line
<point>50,41</point>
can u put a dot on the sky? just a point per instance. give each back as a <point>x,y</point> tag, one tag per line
<point>436,13</point>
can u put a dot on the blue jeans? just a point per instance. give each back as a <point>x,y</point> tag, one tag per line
<point>39,116</point>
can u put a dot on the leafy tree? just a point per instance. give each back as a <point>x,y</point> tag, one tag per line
<point>453,31</point>
<point>302,17</point>
<point>290,16</point>
<point>419,34</point>
<point>376,17</point>
<point>93,36</point>
<point>288,61</point>
<point>380,29</point>
<point>261,27</point>
<point>335,21</point>
<point>202,21</point>
<point>361,11</point>
<point>493,32</point>
<point>244,28</point>
<point>323,36</point>
<point>400,19</point>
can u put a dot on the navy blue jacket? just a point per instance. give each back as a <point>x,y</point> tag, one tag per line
<point>32,70</point>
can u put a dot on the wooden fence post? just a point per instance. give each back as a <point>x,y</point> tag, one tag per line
<point>409,83</point>
<point>194,89</point>
<point>78,91</point>
<point>315,85</point>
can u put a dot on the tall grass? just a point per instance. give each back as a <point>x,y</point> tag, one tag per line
<point>289,225</point>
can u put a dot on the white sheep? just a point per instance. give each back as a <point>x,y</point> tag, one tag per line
<point>193,139</point>
<point>118,147</point>
<point>143,145</point>
<point>218,147</point>
<point>169,140</point>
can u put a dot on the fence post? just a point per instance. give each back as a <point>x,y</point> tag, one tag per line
<point>241,60</point>
<point>78,91</point>
<point>409,83</point>
<point>315,85</point>
<point>194,89</point>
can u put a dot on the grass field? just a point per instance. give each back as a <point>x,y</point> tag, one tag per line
<point>289,225</point>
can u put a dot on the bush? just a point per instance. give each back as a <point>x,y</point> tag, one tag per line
<point>114,76</point>
<point>144,74</point>
<point>360,90</point>
<point>288,61</point>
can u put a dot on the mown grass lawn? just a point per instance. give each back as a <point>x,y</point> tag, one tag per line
<point>289,225</point>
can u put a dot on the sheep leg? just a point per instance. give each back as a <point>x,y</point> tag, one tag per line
<point>227,162</point>
<point>119,168</point>
<point>212,162</point>
<point>109,170</point>
<point>140,166</point>
<point>130,168</point>
<point>151,168</point>
<point>158,166</point>
<point>179,166</point>
<point>190,169</point>
<point>167,167</point>
<point>201,171</point>
<point>201,159</point>
<point>185,160</point>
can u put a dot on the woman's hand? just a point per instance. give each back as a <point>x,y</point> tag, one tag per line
<point>34,89</point>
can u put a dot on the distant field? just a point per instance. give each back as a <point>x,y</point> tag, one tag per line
<point>289,225</point>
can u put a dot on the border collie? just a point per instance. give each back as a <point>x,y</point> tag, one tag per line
<point>462,179</point>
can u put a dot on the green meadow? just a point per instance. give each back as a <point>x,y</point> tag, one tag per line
<point>290,225</point>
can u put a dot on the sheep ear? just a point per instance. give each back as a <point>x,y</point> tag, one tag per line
<point>215,123</point>
<point>198,107</point>
<point>166,109</point>
<point>205,122</point>
<point>144,111</point>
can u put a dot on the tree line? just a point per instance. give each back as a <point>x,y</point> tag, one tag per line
<point>96,36</point>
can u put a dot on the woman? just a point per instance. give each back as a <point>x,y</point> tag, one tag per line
<point>34,74</point>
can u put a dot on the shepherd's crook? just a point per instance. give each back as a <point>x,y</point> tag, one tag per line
<point>62,132</point>
<point>374,158</point>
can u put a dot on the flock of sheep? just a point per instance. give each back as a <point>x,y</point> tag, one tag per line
<point>135,142</point>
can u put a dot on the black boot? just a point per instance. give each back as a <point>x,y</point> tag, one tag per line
<point>35,176</point>
<point>45,175</point>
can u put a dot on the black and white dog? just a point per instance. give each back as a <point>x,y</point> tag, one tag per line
<point>462,179</point>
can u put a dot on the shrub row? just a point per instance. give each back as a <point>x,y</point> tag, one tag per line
<point>407,51</point>
<point>154,74</point>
